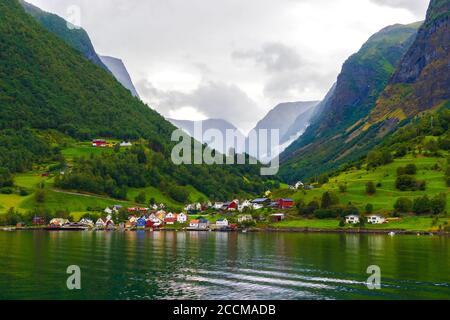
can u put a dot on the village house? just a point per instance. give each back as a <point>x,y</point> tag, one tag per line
<point>352,219</point>
<point>170,221</point>
<point>218,205</point>
<point>222,223</point>
<point>126,144</point>
<point>182,218</point>
<point>59,222</point>
<point>261,201</point>
<point>203,223</point>
<point>110,225</point>
<point>193,224</point>
<point>38,221</point>
<point>141,222</point>
<point>277,217</point>
<point>230,206</point>
<point>100,223</point>
<point>99,143</point>
<point>245,204</point>
<point>285,203</point>
<point>376,219</point>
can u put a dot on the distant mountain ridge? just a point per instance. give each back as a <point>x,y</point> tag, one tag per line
<point>120,72</point>
<point>288,117</point>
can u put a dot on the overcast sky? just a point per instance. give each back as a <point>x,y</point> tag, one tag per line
<point>232,59</point>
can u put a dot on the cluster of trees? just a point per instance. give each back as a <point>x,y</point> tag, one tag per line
<point>378,158</point>
<point>327,208</point>
<point>140,167</point>
<point>13,217</point>
<point>422,205</point>
<point>406,181</point>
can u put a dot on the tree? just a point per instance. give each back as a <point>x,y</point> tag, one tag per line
<point>369,208</point>
<point>438,204</point>
<point>343,188</point>
<point>6,178</point>
<point>371,188</point>
<point>328,200</point>
<point>140,198</point>
<point>403,205</point>
<point>39,196</point>
<point>422,205</point>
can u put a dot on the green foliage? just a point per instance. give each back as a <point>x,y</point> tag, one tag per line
<point>378,158</point>
<point>369,208</point>
<point>409,183</point>
<point>410,169</point>
<point>328,199</point>
<point>140,198</point>
<point>39,196</point>
<point>403,205</point>
<point>6,178</point>
<point>370,188</point>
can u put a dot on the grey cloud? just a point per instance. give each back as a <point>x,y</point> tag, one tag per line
<point>275,57</point>
<point>213,99</point>
<point>415,6</point>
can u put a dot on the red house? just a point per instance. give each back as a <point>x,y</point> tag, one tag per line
<point>231,206</point>
<point>149,224</point>
<point>38,221</point>
<point>98,143</point>
<point>285,203</point>
<point>170,220</point>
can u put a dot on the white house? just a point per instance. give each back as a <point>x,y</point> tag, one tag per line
<point>108,211</point>
<point>170,215</point>
<point>257,206</point>
<point>86,222</point>
<point>100,223</point>
<point>244,204</point>
<point>352,219</point>
<point>299,185</point>
<point>376,220</point>
<point>218,205</point>
<point>222,223</point>
<point>126,144</point>
<point>182,218</point>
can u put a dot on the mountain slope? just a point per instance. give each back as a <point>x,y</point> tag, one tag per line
<point>328,141</point>
<point>77,38</point>
<point>118,69</point>
<point>422,80</point>
<point>284,116</point>
<point>50,96</point>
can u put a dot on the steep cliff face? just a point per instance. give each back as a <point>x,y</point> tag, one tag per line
<point>422,80</point>
<point>326,143</point>
<point>120,72</point>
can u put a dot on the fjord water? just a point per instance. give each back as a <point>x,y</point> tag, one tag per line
<point>208,265</point>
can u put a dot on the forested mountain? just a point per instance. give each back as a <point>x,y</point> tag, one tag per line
<point>120,72</point>
<point>328,142</point>
<point>77,38</point>
<point>48,90</point>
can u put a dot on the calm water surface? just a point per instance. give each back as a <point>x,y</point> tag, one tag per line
<point>208,265</point>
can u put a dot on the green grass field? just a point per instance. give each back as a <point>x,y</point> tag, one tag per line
<point>410,223</point>
<point>385,197</point>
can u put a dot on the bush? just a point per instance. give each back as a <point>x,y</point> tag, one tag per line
<point>39,196</point>
<point>6,190</point>
<point>369,208</point>
<point>325,214</point>
<point>370,188</point>
<point>140,198</point>
<point>342,188</point>
<point>409,183</point>
<point>438,204</point>
<point>403,205</point>
<point>410,169</point>
<point>422,205</point>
